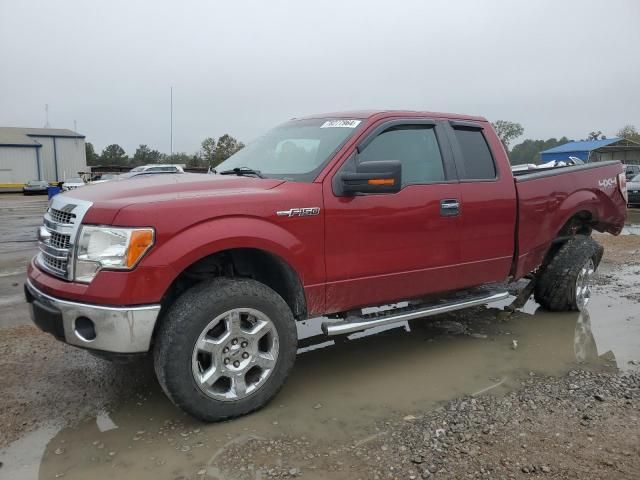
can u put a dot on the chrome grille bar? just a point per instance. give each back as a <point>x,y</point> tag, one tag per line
<point>58,235</point>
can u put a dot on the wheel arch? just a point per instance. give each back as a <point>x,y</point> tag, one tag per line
<point>259,264</point>
<point>579,222</point>
<point>576,221</point>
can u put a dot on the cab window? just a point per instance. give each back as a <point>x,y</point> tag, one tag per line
<point>415,146</point>
<point>477,161</point>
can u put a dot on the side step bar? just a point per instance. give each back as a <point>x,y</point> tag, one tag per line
<point>356,324</point>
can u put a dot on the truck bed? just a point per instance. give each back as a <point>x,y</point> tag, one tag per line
<point>548,199</point>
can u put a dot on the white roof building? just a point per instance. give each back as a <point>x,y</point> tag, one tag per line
<point>49,154</point>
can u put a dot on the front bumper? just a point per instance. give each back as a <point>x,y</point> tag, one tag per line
<point>109,329</point>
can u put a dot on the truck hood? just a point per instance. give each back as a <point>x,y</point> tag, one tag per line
<point>162,187</point>
<point>109,197</point>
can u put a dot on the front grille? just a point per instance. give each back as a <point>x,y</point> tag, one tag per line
<point>59,267</point>
<point>60,216</point>
<point>60,240</point>
<point>55,246</point>
<point>58,234</point>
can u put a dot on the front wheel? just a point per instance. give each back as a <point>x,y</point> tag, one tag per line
<point>225,348</point>
<point>565,282</point>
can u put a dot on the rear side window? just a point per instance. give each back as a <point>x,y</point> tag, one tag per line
<point>476,156</point>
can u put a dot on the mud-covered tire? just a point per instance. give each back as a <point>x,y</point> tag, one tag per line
<point>185,321</point>
<point>556,284</point>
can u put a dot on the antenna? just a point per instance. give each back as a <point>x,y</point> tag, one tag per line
<point>46,115</point>
<point>171,122</point>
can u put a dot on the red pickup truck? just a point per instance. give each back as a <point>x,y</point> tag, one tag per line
<point>322,216</point>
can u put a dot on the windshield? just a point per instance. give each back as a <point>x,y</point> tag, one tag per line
<point>296,150</point>
<point>635,179</point>
<point>138,169</point>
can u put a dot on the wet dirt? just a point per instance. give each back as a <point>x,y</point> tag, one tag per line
<point>87,418</point>
<point>20,218</point>
<point>338,392</point>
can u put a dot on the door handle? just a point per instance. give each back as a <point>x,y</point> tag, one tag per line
<point>449,207</point>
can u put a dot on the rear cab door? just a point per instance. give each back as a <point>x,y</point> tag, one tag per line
<point>488,202</point>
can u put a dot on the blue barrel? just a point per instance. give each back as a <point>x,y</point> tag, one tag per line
<point>51,191</point>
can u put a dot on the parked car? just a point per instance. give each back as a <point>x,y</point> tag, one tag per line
<point>105,177</point>
<point>322,216</point>
<point>156,168</point>
<point>138,173</point>
<point>143,170</point>
<point>633,190</point>
<point>72,183</point>
<point>631,171</point>
<point>35,187</point>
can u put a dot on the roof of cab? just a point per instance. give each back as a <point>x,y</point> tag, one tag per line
<point>366,114</point>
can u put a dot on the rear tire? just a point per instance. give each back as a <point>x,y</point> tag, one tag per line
<point>564,283</point>
<point>225,348</point>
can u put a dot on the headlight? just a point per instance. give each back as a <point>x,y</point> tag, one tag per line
<point>110,248</point>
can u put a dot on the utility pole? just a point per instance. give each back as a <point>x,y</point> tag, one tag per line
<point>171,122</point>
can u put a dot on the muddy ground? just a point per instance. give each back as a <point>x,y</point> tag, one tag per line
<point>475,394</point>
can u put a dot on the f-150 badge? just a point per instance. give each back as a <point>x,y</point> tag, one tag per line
<point>299,212</point>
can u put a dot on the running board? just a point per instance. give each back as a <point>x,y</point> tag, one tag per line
<point>356,324</point>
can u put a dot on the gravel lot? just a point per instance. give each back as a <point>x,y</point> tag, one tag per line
<point>475,394</point>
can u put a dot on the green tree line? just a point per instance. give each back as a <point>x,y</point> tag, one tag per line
<point>211,154</point>
<point>528,151</point>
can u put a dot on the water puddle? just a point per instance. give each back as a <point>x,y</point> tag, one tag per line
<point>631,230</point>
<point>339,388</point>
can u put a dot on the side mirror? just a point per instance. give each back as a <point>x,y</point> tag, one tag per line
<point>383,176</point>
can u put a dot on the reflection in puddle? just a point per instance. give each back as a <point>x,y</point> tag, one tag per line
<point>21,460</point>
<point>631,230</point>
<point>339,389</point>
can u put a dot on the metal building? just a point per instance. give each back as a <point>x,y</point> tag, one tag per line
<point>49,154</point>
<point>616,148</point>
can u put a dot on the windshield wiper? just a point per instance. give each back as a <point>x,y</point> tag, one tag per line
<point>241,171</point>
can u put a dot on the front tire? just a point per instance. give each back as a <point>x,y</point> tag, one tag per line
<point>565,282</point>
<point>225,348</point>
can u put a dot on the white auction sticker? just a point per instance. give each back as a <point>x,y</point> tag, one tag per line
<point>340,124</point>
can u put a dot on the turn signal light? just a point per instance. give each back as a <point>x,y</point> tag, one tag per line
<point>141,241</point>
<point>382,181</point>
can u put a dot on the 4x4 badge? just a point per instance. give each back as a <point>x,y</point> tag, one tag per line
<point>299,212</point>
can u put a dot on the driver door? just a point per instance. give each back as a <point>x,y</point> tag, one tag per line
<point>382,248</point>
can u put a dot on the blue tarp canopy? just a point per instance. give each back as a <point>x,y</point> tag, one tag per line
<point>580,149</point>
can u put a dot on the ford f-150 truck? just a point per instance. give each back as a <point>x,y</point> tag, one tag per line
<point>322,216</point>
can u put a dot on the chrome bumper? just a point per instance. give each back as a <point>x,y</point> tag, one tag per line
<point>110,329</point>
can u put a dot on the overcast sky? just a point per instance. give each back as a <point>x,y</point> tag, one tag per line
<point>558,68</point>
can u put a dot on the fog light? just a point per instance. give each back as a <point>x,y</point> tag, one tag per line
<point>85,329</point>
